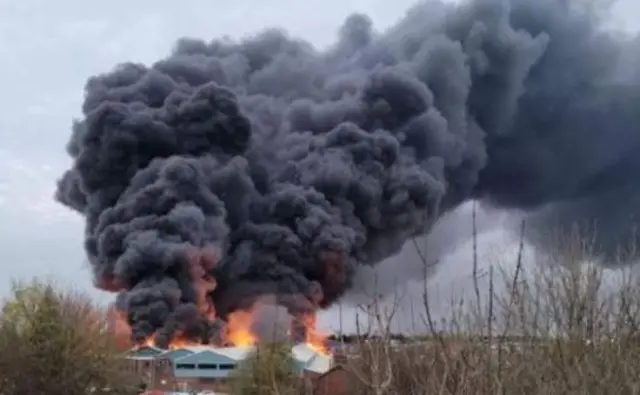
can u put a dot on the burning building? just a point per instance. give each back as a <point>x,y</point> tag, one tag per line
<point>186,364</point>
<point>266,171</point>
<point>262,322</point>
<point>209,368</point>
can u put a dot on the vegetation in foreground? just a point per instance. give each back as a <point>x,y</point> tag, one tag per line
<point>553,328</point>
<point>56,342</point>
<point>555,334</point>
<point>268,370</point>
<point>556,328</point>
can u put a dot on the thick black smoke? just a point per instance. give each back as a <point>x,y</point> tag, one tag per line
<point>297,165</point>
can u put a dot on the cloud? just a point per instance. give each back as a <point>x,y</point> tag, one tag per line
<point>37,236</point>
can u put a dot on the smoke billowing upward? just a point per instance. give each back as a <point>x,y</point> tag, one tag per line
<point>233,170</point>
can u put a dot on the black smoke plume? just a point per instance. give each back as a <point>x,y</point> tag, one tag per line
<point>277,169</point>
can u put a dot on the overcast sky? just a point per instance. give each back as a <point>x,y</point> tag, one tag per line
<point>47,51</point>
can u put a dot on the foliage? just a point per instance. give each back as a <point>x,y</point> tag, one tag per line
<point>270,369</point>
<point>54,341</point>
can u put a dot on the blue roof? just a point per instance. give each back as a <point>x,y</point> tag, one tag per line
<point>145,352</point>
<point>213,362</point>
<point>176,354</point>
<point>210,356</point>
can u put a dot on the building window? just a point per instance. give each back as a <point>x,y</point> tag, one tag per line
<point>208,366</point>
<point>227,366</point>
<point>185,366</point>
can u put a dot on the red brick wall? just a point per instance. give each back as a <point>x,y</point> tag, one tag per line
<point>334,382</point>
<point>178,384</point>
<point>160,377</point>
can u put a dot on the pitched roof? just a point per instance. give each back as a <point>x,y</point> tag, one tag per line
<point>196,349</point>
<point>236,353</point>
<point>309,359</point>
<point>144,352</point>
<point>306,357</point>
<point>303,352</point>
<point>226,354</point>
<point>175,354</point>
<point>320,363</point>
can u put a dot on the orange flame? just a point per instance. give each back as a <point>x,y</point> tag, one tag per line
<point>201,261</point>
<point>314,339</point>
<point>119,328</point>
<point>237,332</point>
<point>238,329</point>
<point>122,334</point>
<point>176,342</point>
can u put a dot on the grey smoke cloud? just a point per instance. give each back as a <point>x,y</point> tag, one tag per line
<point>419,260</point>
<point>291,168</point>
<point>271,322</point>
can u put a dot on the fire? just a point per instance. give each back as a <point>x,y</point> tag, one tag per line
<point>315,339</point>
<point>175,343</point>
<point>122,333</point>
<point>238,331</point>
<point>118,326</point>
<point>201,261</point>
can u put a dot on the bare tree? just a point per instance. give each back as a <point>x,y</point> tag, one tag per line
<point>373,366</point>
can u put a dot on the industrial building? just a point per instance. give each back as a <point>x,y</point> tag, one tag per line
<point>208,368</point>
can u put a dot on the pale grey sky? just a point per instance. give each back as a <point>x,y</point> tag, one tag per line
<point>47,51</point>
